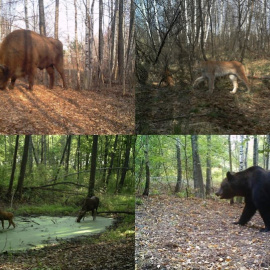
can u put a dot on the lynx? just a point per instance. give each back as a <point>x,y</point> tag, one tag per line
<point>213,69</point>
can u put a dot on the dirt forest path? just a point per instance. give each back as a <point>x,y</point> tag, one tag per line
<point>174,233</point>
<point>59,111</point>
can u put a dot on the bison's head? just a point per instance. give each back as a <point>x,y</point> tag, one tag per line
<point>4,76</point>
<point>81,215</point>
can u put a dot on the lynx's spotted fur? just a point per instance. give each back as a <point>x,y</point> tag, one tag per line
<point>213,69</point>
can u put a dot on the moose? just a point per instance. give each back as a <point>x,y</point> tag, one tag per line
<point>23,51</point>
<point>90,204</point>
<point>6,216</point>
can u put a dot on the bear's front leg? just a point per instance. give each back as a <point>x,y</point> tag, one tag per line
<point>248,213</point>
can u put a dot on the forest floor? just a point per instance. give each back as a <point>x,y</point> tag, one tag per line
<point>175,233</point>
<point>180,110</point>
<point>92,253</point>
<point>59,111</point>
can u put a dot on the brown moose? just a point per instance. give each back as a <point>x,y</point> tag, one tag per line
<point>23,51</point>
<point>6,216</point>
<point>90,204</point>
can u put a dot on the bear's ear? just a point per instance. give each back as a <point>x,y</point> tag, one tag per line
<point>230,176</point>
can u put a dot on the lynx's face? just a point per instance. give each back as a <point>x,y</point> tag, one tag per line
<point>197,67</point>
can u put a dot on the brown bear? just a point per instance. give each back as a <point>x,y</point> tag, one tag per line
<point>254,185</point>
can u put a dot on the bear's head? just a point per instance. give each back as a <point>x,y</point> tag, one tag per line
<point>227,188</point>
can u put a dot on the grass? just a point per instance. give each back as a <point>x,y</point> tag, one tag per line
<point>123,230</point>
<point>108,202</point>
<point>45,209</point>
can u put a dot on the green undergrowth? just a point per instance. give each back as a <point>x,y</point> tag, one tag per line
<point>124,228</point>
<point>117,203</point>
<point>107,203</point>
<point>45,209</point>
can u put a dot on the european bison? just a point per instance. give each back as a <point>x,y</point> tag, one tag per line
<point>90,204</point>
<point>23,51</point>
<point>6,216</point>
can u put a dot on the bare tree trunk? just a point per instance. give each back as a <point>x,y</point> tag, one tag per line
<point>87,47</point>
<point>42,30</point>
<point>101,42</point>
<point>42,25</point>
<point>114,37</point>
<point>121,50</point>
<point>130,63</point>
<point>78,77</point>
<point>25,14</point>
<point>56,27</point>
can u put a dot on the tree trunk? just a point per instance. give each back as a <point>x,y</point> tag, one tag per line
<point>56,25</point>
<point>23,167</point>
<point>230,160</point>
<point>208,167</point>
<point>91,191</point>
<point>42,24</point>
<point>112,159</point>
<point>87,47</point>
<point>267,153</point>
<point>68,145</point>
<point>101,42</point>
<point>78,77</point>
<point>114,37</point>
<point>126,161</point>
<point>197,170</point>
<point>11,181</point>
<point>26,14</point>
<point>179,166</point>
<point>121,51</point>
<point>255,151</point>
<point>106,151</point>
<point>147,169</point>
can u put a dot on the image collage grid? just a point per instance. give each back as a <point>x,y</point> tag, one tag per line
<point>134,134</point>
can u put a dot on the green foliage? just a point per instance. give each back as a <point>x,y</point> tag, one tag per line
<point>139,201</point>
<point>163,162</point>
<point>45,209</point>
<point>117,202</point>
<point>125,229</point>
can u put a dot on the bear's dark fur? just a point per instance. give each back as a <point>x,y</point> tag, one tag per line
<point>254,185</point>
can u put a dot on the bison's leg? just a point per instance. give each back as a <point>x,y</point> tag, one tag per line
<point>94,213</point>
<point>50,70</point>
<point>31,78</point>
<point>13,79</point>
<point>60,69</point>
<point>2,223</point>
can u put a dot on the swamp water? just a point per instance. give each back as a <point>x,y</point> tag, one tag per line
<point>37,232</point>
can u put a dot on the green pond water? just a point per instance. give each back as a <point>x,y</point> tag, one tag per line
<point>38,232</point>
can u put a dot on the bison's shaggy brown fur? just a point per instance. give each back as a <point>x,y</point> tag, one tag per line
<point>23,51</point>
